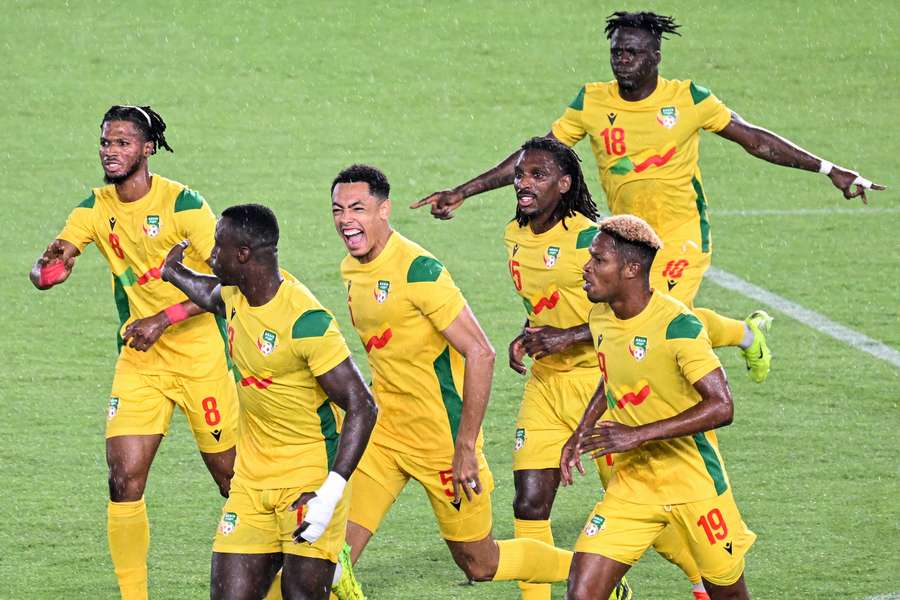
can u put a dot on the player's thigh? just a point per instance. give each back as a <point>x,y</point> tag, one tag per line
<point>463,521</point>
<point>138,405</point>
<point>377,483</point>
<point>248,523</point>
<point>620,530</point>
<point>242,576</point>
<point>679,268</point>
<point>717,537</point>
<point>306,578</point>
<point>329,544</point>
<point>211,407</point>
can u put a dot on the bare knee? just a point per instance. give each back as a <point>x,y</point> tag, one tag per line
<point>126,484</point>
<point>580,591</point>
<point>535,492</point>
<point>478,560</point>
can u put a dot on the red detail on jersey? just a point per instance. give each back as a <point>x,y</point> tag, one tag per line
<point>259,383</point>
<point>609,460</point>
<point>153,273</point>
<point>655,160</point>
<point>632,398</point>
<point>379,341</point>
<point>548,303</point>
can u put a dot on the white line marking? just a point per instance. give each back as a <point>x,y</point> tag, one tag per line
<point>806,316</point>
<point>861,211</point>
<point>893,596</point>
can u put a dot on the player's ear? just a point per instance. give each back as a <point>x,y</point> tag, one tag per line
<point>565,184</point>
<point>384,209</point>
<point>243,254</point>
<point>149,149</point>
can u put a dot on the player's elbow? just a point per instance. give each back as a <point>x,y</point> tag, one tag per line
<point>724,412</point>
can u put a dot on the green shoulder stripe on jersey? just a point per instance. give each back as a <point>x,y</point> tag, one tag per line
<point>122,308</point>
<point>188,199</point>
<point>222,326</point>
<point>329,431</point>
<point>699,93</point>
<point>449,393</point>
<point>701,211</point>
<point>578,102</point>
<point>585,237</point>
<point>424,269</point>
<point>87,202</point>
<point>684,327</point>
<point>711,460</point>
<point>312,323</point>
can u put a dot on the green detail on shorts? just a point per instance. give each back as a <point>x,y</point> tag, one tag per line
<point>87,202</point>
<point>528,307</point>
<point>578,102</point>
<point>329,431</point>
<point>699,93</point>
<point>222,326</point>
<point>701,210</point>
<point>122,308</point>
<point>449,394</point>
<point>585,237</point>
<point>711,460</point>
<point>188,199</point>
<point>127,277</point>
<point>312,323</point>
<point>424,269</point>
<point>622,167</point>
<point>684,327</point>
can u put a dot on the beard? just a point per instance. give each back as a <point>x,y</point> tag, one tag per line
<point>117,179</point>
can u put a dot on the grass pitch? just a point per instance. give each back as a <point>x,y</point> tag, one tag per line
<point>266,102</point>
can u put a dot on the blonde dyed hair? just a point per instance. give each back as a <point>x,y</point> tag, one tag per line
<point>631,229</point>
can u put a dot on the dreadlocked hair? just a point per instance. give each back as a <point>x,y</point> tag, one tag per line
<point>578,199</point>
<point>147,120</point>
<point>658,25</point>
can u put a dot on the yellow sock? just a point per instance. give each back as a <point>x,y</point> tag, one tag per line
<point>723,331</point>
<point>536,530</point>
<point>533,561</point>
<point>129,538</point>
<point>275,590</point>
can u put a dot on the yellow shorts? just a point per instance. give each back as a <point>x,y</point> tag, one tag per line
<point>552,406</point>
<point>142,404</point>
<point>259,522</point>
<point>679,267</point>
<point>382,474</point>
<point>713,530</point>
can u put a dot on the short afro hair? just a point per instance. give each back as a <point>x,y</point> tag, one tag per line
<point>635,239</point>
<point>377,180</point>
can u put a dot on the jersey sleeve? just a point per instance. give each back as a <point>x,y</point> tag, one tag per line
<point>569,128</point>
<point>316,339</point>
<point>690,344</point>
<point>79,229</point>
<point>712,113</point>
<point>196,222</point>
<point>432,291</point>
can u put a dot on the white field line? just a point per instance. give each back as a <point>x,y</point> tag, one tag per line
<point>893,596</point>
<point>861,211</point>
<point>806,316</point>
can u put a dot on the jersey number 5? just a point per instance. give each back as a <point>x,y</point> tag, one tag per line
<point>516,275</point>
<point>614,140</point>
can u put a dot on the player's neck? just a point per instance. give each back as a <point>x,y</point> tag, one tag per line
<point>641,91</point>
<point>259,286</point>
<point>543,223</point>
<point>632,303</point>
<point>381,241</point>
<point>135,187</point>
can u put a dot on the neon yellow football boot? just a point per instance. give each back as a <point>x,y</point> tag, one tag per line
<point>623,591</point>
<point>757,355</point>
<point>347,587</point>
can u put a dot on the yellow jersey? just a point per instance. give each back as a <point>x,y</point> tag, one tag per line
<point>650,363</point>
<point>135,238</point>
<point>648,151</point>
<point>546,272</point>
<point>288,429</point>
<point>400,302</point>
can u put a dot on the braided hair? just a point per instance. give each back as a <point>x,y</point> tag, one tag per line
<point>147,120</point>
<point>578,199</point>
<point>656,25</point>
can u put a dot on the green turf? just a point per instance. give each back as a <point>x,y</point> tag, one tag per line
<point>267,101</point>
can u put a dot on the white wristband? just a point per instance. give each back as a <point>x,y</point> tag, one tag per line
<point>825,166</point>
<point>332,488</point>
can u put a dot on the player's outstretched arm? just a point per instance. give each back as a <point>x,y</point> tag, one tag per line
<point>203,290</point>
<point>467,338</point>
<point>543,341</point>
<point>53,266</point>
<point>574,447</point>
<point>769,146</point>
<point>443,203</point>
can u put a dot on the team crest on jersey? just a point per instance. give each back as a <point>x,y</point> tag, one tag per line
<point>151,227</point>
<point>551,256</point>
<point>520,438</point>
<point>267,342</point>
<point>228,523</point>
<point>667,116</point>
<point>595,525</point>
<point>381,291</point>
<point>638,347</point>
<point>112,408</point>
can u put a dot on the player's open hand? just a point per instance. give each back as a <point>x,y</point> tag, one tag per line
<point>301,505</point>
<point>53,266</point>
<point>846,180</point>
<point>517,354</point>
<point>609,437</point>
<point>143,333</point>
<point>465,474</point>
<point>571,457</point>
<point>174,257</point>
<point>543,341</point>
<point>442,203</point>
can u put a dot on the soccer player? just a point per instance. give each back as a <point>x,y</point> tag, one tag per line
<point>292,466</point>
<point>169,353</point>
<point>663,391</point>
<point>547,245</point>
<point>432,367</point>
<point>644,133</point>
